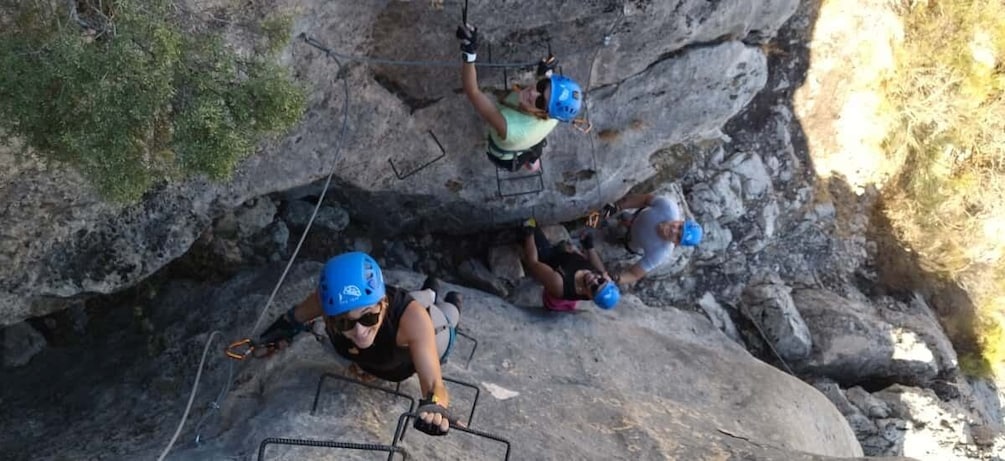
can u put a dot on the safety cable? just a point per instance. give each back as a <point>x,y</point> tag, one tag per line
<point>401,62</point>
<point>338,147</point>
<point>589,83</point>
<point>191,396</point>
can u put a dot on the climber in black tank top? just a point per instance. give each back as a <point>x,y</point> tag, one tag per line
<point>566,273</point>
<point>382,329</point>
<point>384,358</point>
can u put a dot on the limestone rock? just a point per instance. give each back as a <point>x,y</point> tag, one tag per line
<point>504,262</point>
<point>834,393</point>
<point>20,343</point>
<point>591,385</point>
<point>853,344</point>
<point>933,427</point>
<point>768,301</point>
<point>753,175</point>
<point>719,317</point>
<point>869,405</point>
<point>61,240</point>
<point>246,220</point>
<point>474,272</point>
<point>297,213</point>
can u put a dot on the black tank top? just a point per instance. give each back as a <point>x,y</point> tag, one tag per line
<point>567,264</point>
<point>383,359</point>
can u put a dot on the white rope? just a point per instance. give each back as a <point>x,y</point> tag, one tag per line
<point>191,396</point>
<point>338,147</point>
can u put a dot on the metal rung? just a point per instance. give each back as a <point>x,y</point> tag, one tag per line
<point>321,382</point>
<point>473,348</point>
<point>539,174</point>
<point>468,385</point>
<point>403,420</point>
<point>390,449</point>
<point>443,153</point>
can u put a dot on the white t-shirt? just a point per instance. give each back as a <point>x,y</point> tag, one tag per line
<point>646,240</point>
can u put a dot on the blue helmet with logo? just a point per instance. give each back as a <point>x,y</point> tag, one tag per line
<point>607,296</point>
<point>691,234</point>
<point>350,281</point>
<point>566,98</point>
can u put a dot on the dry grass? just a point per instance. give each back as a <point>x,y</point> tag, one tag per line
<point>948,202</point>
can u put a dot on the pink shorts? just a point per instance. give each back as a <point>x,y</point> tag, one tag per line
<point>557,304</point>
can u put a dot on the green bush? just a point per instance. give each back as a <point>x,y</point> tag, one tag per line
<point>130,98</point>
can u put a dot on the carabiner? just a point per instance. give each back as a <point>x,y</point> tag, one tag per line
<point>593,219</point>
<point>233,352</point>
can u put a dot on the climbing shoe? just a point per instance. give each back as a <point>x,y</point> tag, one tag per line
<point>454,298</point>
<point>432,283</point>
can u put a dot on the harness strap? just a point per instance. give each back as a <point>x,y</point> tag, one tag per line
<point>628,234</point>
<point>500,153</point>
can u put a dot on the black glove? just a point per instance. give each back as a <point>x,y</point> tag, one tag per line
<point>586,240</point>
<point>546,66</point>
<point>285,328</point>
<point>427,406</point>
<point>609,210</point>
<point>468,36</point>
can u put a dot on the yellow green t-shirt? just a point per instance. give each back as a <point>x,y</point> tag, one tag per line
<point>523,131</point>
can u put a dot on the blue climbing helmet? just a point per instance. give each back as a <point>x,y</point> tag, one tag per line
<point>607,296</point>
<point>691,234</point>
<point>566,98</point>
<point>350,281</point>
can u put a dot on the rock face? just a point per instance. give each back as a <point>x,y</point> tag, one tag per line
<point>20,343</point>
<point>910,421</point>
<point>769,303</point>
<point>679,389</point>
<point>670,72</point>
<point>853,342</point>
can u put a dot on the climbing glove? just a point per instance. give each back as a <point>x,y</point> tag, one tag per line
<point>285,328</point>
<point>428,406</point>
<point>468,36</point>
<point>609,210</point>
<point>527,228</point>
<point>546,66</point>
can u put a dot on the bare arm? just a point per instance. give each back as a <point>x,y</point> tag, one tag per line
<point>631,275</point>
<point>595,261</point>
<point>416,332</point>
<point>482,103</point>
<point>633,201</point>
<point>308,309</point>
<point>540,271</point>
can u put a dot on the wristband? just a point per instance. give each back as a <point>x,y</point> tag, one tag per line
<point>468,57</point>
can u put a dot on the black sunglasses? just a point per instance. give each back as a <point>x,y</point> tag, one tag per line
<point>542,86</point>
<point>344,323</point>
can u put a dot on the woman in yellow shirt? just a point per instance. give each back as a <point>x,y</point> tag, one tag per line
<point>520,121</point>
